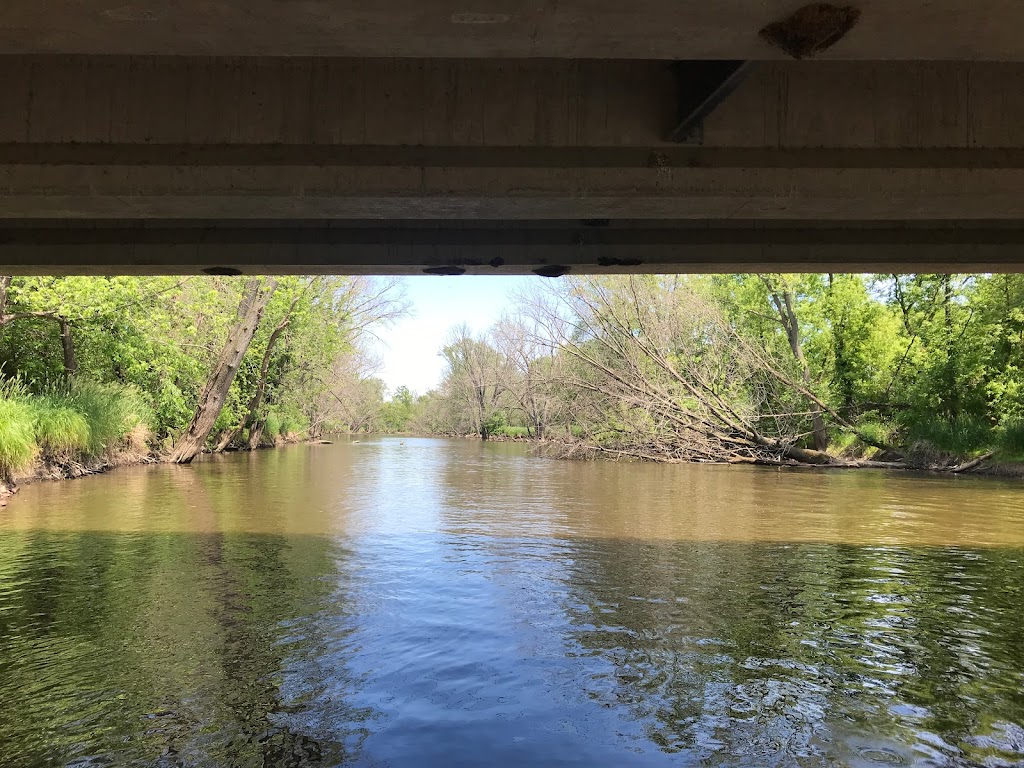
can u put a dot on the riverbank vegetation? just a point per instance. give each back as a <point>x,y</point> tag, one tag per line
<point>97,371</point>
<point>836,370</point>
<point>840,370</point>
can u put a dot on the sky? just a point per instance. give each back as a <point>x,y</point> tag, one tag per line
<point>409,349</point>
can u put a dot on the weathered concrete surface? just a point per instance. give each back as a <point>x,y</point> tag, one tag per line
<point>302,165</point>
<point>601,29</point>
<point>474,103</point>
<point>551,248</point>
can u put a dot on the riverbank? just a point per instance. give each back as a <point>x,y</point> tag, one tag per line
<point>45,469</point>
<point>1010,470</point>
<point>71,469</point>
<point>74,429</point>
<point>50,468</point>
<point>987,463</point>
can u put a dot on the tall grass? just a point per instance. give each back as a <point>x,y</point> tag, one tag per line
<point>1010,441</point>
<point>17,434</point>
<point>18,445</point>
<point>507,431</point>
<point>961,436</point>
<point>111,411</point>
<point>59,428</point>
<point>272,426</point>
<point>71,421</point>
<point>281,425</point>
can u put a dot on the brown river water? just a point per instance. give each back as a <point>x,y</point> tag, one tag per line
<point>450,603</point>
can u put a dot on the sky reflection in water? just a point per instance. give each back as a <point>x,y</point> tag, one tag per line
<point>451,603</point>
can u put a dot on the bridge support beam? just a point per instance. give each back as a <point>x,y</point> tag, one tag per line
<point>165,164</point>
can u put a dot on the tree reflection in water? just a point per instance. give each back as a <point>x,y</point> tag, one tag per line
<point>806,654</point>
<point>176,649</point>
<point>443,603</point>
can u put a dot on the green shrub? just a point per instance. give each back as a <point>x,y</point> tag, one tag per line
<point>506,431</point>
<point>137,409</point>
<point>876,431</point>
<point>843,443</point>
<point>494,423</point>
<point>17,436</point>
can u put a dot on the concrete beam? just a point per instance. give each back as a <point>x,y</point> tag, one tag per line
<point>503,247</point>
<point>333,192</point>
<point>179,163</point>
<point>607,29</point>
<point>470,103</point>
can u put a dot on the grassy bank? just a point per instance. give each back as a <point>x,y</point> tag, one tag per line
<point>925,443</point>
<point>69,430</point>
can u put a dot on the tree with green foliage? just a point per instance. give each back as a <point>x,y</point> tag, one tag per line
<point>396,414</point>
<point>175,342</point>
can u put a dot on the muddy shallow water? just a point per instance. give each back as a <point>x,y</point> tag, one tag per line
<point>447,603</point>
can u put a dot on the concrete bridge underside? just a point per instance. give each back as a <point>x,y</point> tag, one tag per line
<point>551,143</point>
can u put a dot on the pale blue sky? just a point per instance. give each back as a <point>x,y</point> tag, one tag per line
<point>408,350</point>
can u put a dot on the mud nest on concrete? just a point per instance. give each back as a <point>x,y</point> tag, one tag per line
<point>811,29</point>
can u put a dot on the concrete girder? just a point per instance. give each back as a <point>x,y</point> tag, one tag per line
<point>570,105</point>
<point>505,247</point>
<point>168,164</point>
<point>605,29</point>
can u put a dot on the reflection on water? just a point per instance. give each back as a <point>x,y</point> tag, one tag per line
<point>451,603</point>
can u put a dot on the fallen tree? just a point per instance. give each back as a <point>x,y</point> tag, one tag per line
<point>659,374</point>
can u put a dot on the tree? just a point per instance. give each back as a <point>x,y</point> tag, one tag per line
<point>397,412</point>
<point>251,418</point>
<point>940,372</point>
<point>66,340</point>
<point>474,375</point>
<point>257,294</point>
<point>998,302</point>
<point>531,372</point>
<point>655,369</point>
<point>783,300</point>
<point>665,376</point>
<point>329,361</point>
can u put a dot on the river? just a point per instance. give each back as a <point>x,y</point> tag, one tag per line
<point>425,602</point>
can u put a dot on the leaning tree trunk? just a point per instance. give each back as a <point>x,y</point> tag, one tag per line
<point>252,409</point>
<point>257,399</point>
<point>211,400</point>
<point>255,434</point>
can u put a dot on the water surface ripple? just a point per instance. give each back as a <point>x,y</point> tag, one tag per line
<point>447,603</point>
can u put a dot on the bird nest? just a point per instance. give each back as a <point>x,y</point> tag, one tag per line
<point>811,29</point>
